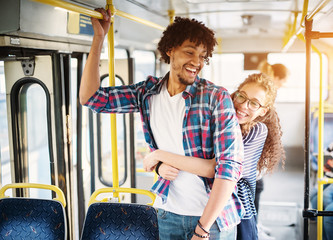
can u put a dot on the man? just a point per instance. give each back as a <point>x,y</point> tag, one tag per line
<point>183,114</point>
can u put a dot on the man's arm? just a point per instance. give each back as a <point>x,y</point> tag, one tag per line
<point>90,80</point>
<point>221,191</point>
<point>229,153</point>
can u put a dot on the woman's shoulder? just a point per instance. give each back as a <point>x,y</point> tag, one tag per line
<point>258,132</point>
<point>260,127</point>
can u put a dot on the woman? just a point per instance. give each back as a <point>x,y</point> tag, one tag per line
<point>277,71</point>
<point>253,102</point>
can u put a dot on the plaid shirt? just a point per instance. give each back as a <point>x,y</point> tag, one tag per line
<point>210,129</point>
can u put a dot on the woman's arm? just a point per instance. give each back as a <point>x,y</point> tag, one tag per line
<point>168,172</point>
<point>220,194</point>
<point>198,166</point>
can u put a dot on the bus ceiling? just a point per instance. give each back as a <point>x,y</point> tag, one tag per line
<point>241,26</point>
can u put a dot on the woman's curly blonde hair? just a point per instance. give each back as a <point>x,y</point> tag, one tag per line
<point>273,151</point>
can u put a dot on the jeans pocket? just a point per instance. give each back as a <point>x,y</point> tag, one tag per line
<point>161,213</point>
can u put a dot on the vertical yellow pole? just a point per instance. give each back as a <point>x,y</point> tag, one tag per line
<point>320,152</point>
<point>114,148</point>
<point>293,30</point>
<point>171,14</point>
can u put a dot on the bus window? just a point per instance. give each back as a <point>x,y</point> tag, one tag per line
<point>227,70</point>
<point>5,173</point>
<point>104,126</point>
<point>73,95</point>
<point>119,53</point>
<point>37,135</point>
<point>294,89</point>
<point>144,66</point>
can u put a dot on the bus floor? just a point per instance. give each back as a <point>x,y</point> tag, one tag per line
<point>282,202</point>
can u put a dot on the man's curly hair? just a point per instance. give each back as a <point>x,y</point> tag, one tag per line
<point>273,152</point>
<point>186,29</point>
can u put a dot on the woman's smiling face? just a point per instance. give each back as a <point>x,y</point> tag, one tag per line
<point>254,93</point>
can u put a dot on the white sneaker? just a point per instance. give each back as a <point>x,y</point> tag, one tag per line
<point>263,228</point>
<point>264,236</point>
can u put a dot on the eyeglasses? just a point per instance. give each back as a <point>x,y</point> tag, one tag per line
<point>252,105</point>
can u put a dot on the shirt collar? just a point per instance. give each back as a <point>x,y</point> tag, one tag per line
<point>190,90</point>
<point>157,87</point>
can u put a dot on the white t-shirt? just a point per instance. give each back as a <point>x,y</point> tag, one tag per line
<point>187,194</point>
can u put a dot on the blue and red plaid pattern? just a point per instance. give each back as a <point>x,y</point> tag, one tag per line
<point>210,129</point>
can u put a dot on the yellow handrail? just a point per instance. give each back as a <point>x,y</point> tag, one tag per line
<point>171,14</point>
<point>304,12</point>
<point>139,20</point>
<point>60,194</point>
<point>92,13</point>
<point>325,180</point>
<point>309,17</point>
<point>123,190</point>
<point>317,9</point>
<point>328,108</point>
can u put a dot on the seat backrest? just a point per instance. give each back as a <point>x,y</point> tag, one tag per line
<point>28,218</point>
<point>328,136</point>
<point>120,221</point>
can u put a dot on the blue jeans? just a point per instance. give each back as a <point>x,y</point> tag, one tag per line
<point>172,226</point>
<point>247,229</point>
<point>328,224</point>
<point>327,196</point>
<point>327,206</point>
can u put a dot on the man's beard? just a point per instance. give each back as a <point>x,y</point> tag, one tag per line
<point>183,81</point>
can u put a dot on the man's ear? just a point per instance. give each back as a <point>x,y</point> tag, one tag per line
<point>169,52</point>
<point>263,111</point>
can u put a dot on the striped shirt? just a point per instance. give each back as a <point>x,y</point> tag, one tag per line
<point>210,129</point>
<point>253,144</point>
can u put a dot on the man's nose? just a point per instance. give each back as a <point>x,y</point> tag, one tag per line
<point>195,60</point>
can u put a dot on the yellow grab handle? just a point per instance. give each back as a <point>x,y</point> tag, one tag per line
<point>123,190</point>
<point>60,194</point>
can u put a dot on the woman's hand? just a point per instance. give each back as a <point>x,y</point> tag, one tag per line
<point>168,172</point>
<point>199,231</point>
<point>197,238</point>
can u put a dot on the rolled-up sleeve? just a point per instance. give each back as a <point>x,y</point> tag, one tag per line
<point>119,99</point>
<point>228,142</point>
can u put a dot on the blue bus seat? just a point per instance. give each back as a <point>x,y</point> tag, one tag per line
<point>120,221</point>
<point>328,136</point>
<point>113,220</point>
<point>31,218</point>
